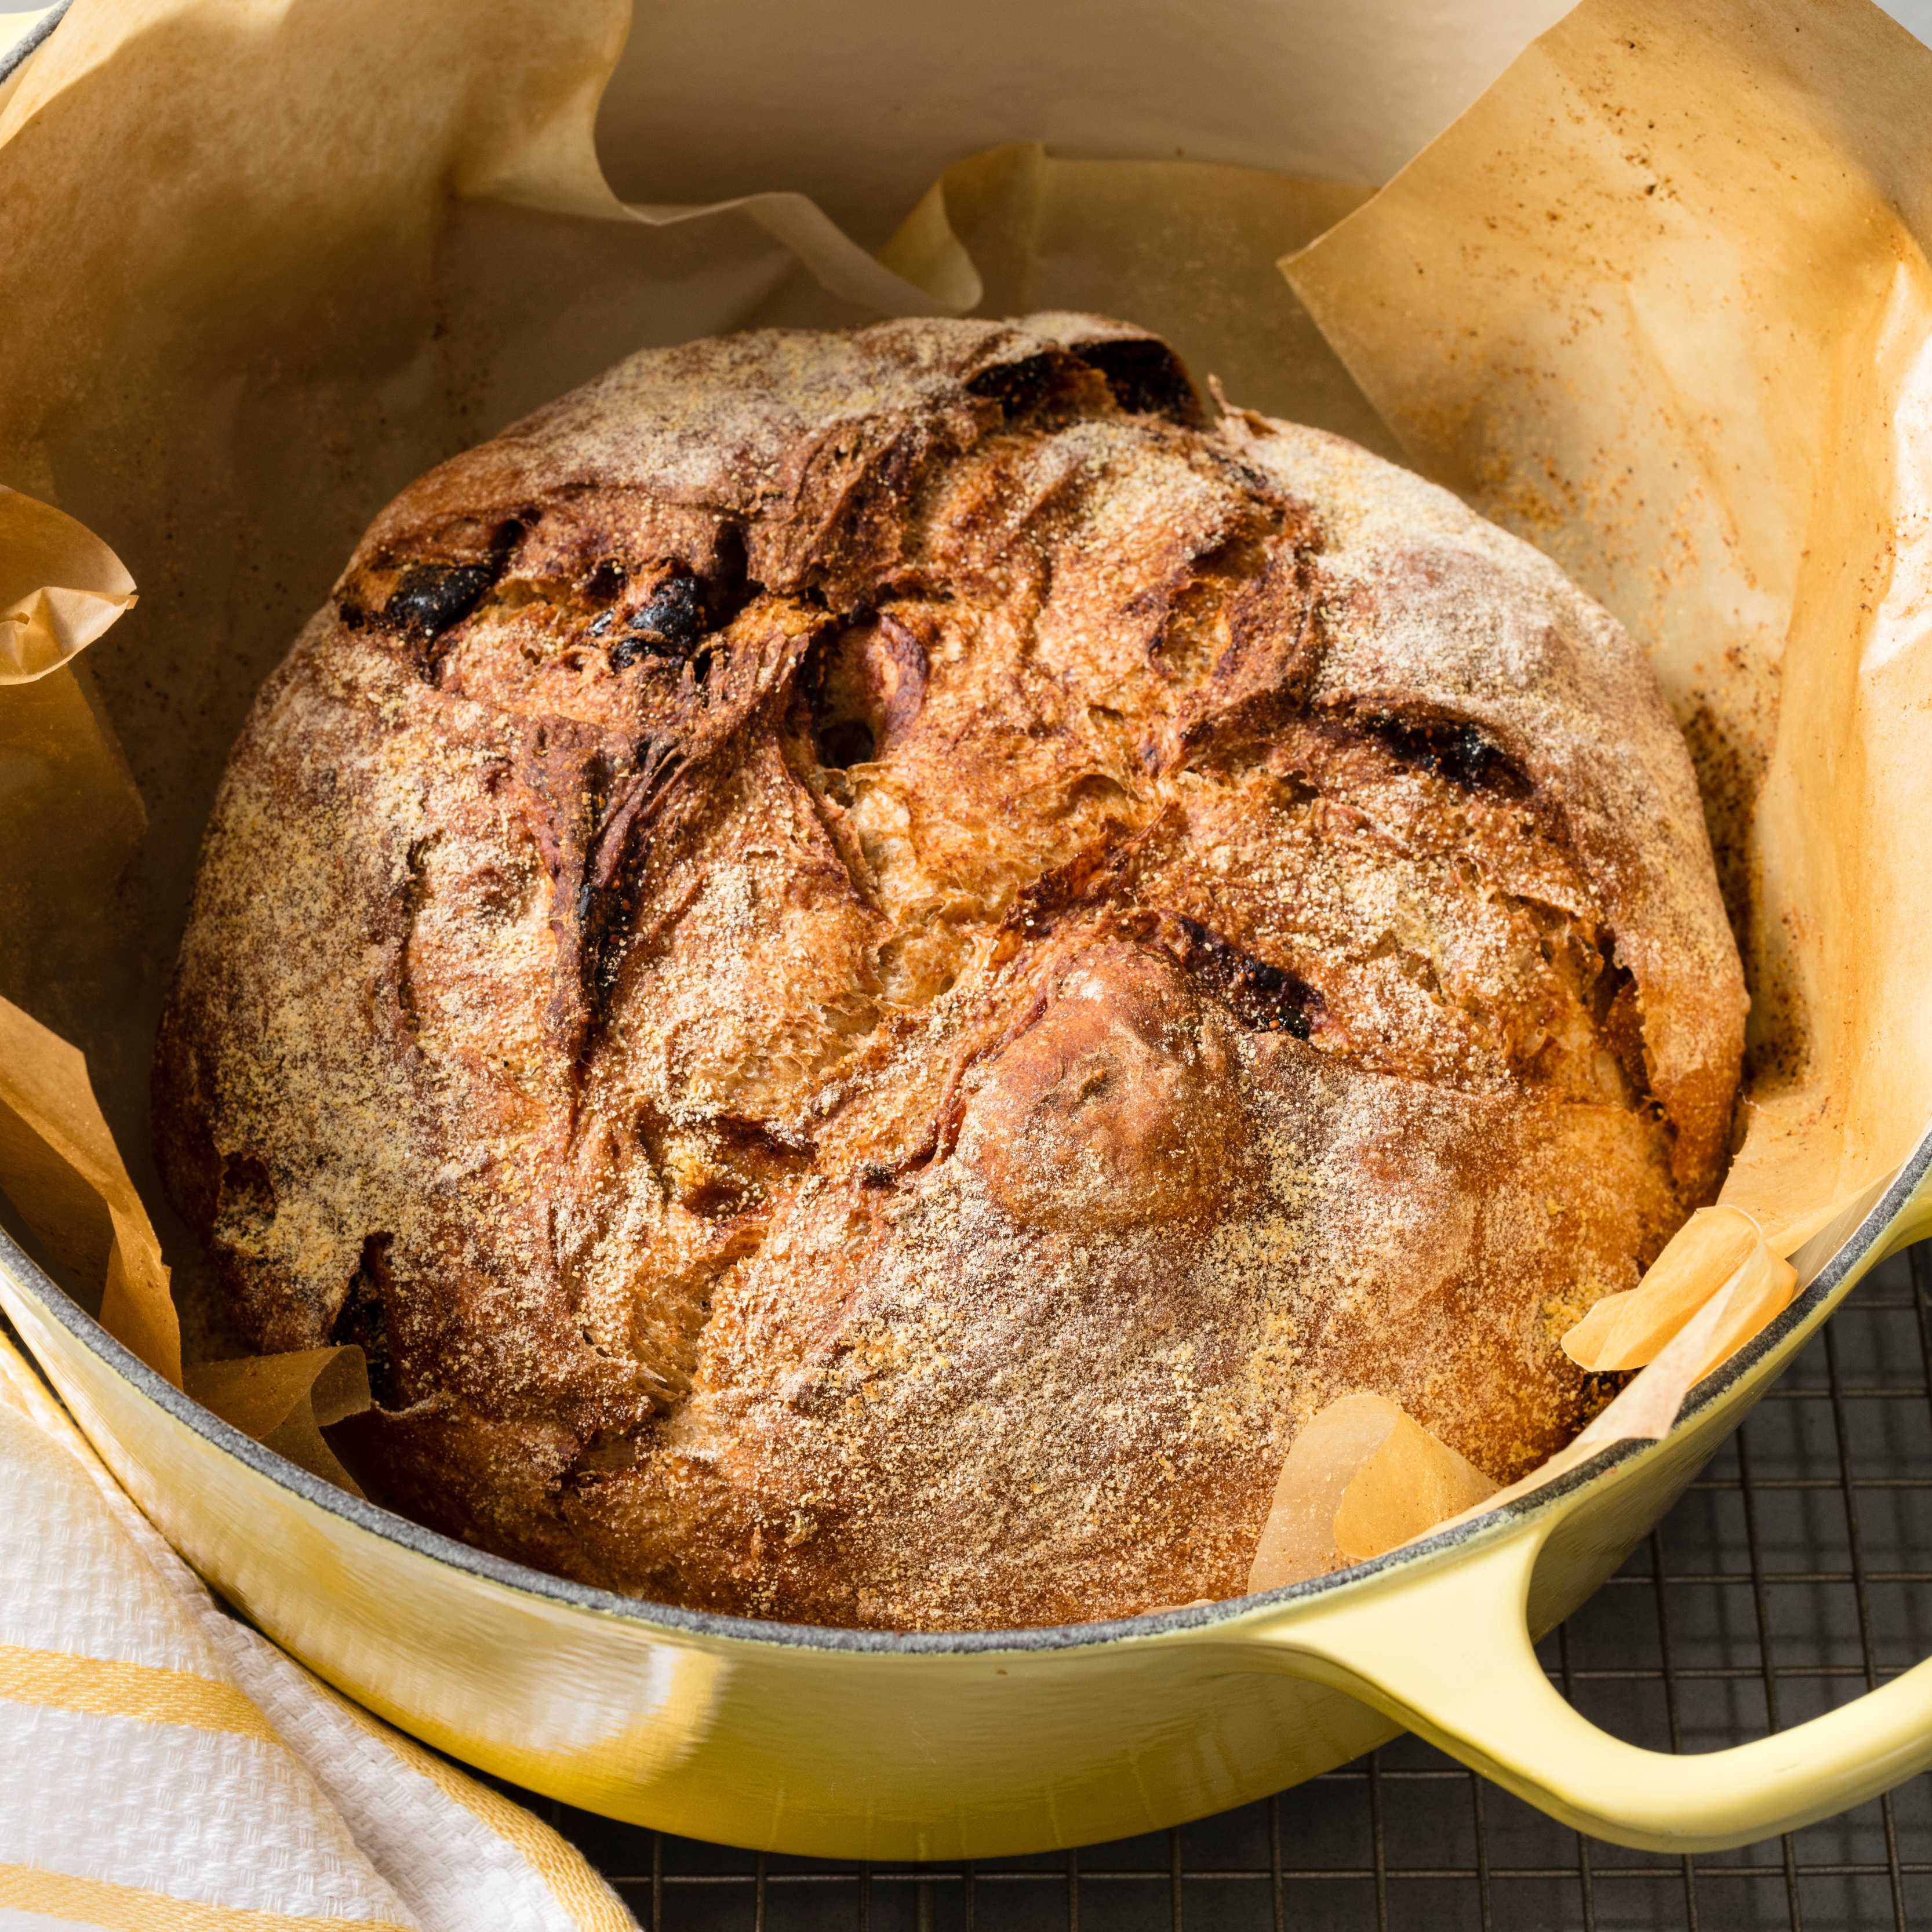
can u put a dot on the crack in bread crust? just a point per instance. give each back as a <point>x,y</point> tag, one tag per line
<point>867,965</point>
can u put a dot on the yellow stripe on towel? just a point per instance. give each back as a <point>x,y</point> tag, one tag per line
<point>146,1692</point>
<point>134,1908</point>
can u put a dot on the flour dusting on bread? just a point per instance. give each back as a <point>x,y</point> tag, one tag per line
<point>867,965</point>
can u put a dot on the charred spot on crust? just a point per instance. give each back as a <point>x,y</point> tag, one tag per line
<point>666,624</point>
<point>1147,378</point>
<point>363,1322</point>
<point>1143,377</point>
<point>1264,998</point>
<point>429,598</point>
<point>1451,749</point>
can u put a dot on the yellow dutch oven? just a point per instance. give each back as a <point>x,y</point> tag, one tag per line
<point>859,1743</point>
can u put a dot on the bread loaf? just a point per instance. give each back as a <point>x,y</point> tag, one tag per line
<point>866,965</point>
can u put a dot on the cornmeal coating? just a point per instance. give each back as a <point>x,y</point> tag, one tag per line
<point>867,965</point>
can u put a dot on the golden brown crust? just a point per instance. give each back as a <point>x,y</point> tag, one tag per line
<point>866,965</point>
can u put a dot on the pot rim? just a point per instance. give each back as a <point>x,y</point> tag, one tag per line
<point>1712,1393</point>
<point>16,56</point>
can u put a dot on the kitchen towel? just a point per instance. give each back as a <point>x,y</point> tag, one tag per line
<point>165,1769</point>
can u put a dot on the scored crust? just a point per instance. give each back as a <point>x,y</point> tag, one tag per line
<point>866,965</point>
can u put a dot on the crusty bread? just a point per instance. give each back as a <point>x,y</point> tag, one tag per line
<point>865,964</point>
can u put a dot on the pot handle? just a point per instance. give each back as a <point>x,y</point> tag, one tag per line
<point>1444,1649</point>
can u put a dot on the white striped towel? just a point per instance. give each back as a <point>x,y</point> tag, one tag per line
<point>164,1769</point>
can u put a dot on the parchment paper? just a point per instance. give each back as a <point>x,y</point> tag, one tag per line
<point>1660,303</point>
<point>60,588</point>
<point>59,1166</point>
<point>1361,1478</point>
<point>1656,301</point>
<point>1724,1244</point>
<point>286,1401</point>
<point>72,821</point>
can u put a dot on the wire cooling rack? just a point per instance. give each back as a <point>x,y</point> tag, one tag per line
<point>1797,1573</point>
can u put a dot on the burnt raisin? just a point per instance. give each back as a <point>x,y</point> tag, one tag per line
<point>429,598</point>
<point>666,624</point>
<point>1272,999</point>
<point>1454,749</point>
<point>1264,997</point>
<point>1021,388</point>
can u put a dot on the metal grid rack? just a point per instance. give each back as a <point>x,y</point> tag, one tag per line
<point>1788,1579</point>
